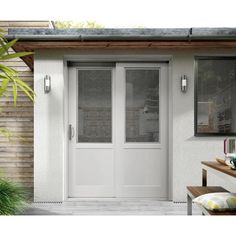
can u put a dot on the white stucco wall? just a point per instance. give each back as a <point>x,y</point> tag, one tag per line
<point>188,150</point>
<point>49,141</point>
<point>48,129</point>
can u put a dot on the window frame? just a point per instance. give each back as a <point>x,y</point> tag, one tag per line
<point>196,59</point>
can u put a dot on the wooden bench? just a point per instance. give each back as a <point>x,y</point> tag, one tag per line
<point>195,191</point>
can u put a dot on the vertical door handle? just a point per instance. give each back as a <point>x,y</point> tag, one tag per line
<point>71,132</point>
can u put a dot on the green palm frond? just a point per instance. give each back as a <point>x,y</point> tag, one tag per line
<point>6,46</point>
<point>8,74</point>
<point>9,78</point>
<point>15,55</point>
<point>5,82</point>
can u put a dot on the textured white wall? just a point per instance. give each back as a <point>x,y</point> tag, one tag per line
<point>188,151</point>
<point>48,129</point>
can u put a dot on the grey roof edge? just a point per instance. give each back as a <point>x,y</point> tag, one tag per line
<point>125,34</point>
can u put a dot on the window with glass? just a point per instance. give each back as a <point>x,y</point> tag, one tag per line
<point>95,106</point>
<point>215,96</point>
<point>142,105</point>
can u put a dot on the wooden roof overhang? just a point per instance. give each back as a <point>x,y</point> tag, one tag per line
<point>107,45</point>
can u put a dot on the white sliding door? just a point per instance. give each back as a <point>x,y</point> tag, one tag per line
<point>141,114</point>
<point>118,131</point>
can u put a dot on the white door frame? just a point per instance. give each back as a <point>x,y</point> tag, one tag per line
<point>117,58</point>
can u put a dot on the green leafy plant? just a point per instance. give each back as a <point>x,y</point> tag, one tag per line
<point>75,24</point>
<point>12,197</point>
<point>9,77</point>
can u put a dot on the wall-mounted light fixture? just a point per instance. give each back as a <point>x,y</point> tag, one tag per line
<point>184,83</point>
<point>47,84</point>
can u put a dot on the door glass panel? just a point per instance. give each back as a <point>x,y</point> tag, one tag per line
<point>94,106</point>
<point>142,105</point>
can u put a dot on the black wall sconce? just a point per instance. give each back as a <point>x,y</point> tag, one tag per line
<point>47,84</point>
<point>184,83</point>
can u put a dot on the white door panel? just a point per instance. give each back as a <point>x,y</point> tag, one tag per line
<point>141,114</point>
<point>91,169</point>
<point>91,149</point>
<point>146,170</point>
<point>119,116</point>
<point>93,173</point>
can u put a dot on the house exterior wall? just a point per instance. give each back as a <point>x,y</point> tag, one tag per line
<point>185,151</point>
<point>188,150</point>
<point>48,129</point>
<point>16,158</point>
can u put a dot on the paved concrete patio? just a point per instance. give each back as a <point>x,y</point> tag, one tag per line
<point>110,207</point>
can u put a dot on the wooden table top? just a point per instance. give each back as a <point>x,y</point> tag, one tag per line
<point>220,167</point>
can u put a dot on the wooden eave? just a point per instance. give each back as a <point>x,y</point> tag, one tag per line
<point>37,45</point>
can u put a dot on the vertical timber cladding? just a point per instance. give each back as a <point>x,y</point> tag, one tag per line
<point>16,158</point>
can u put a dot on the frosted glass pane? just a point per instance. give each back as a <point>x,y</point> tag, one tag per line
<point>94,101</point>
<point>142,105</point>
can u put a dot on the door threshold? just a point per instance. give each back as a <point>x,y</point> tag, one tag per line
<point>114,199</point>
